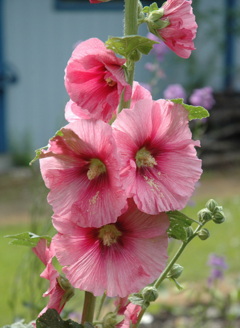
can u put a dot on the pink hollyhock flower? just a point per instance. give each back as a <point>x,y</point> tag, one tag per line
<point>131,316</point>
<point>82,170</point>
<point>94,79</point>
<point>60,291</point>
<point>181,31</point>
<point>73,112</point>
<point>120,258</point>
<point>159,161</point>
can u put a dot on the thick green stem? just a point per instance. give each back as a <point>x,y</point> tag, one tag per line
<point>169,267</point>
<point>130,28</point>
<point>88,308</point>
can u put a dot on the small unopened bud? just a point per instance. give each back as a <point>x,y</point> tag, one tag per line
<point>150,294</point>
<point>175,272</point>
<point>156,14</point>
<point>189,231</point>
<point>110,320</point>
<point>204,215</point>
<point>211,204</point>
<point>217,209</point>
<point>219,217</point>
<point>135,55</point>
<point>204,234</point>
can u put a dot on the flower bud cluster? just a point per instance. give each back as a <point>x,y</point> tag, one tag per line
<point>211,212</point>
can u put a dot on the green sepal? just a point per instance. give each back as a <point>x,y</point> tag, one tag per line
<point>153,7</point>
<point>145,10</point>
<point>178,223</point>
<point>51,319</point>
<point>179,287</point>
<point>195,112</point>
<point>138,300</point>
<point>20,324</point>
<point>38,151</point>
<point>124,46</point>
<point>27,239</point>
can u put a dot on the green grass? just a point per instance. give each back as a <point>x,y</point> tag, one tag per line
<point>11,258</point>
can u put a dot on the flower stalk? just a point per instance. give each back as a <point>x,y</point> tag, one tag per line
<point>88,307</point>
<point>130,28</point>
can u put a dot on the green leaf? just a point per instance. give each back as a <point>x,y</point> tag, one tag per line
<point>138,300</point>
<point>124,46</point>
<point>178,223</point>
<point>38,151</point>
<point>181,217</point>
<point>153,7</point>
<point>51,319</point>
<point>27,239</point>
<point>176,231</point>
<point>195,112</point>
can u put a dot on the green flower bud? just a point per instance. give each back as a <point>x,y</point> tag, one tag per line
<point>110,320</point>
<point>150,294</point>
<point>204,215</point>
<point>67,287</point>
<point>219,217</point>
<point>135,55</point>
<point>156,15</point>
<point>217,209</point>
<point>211,204</point>
<point>175,272</point>
<point>189,231</point>
<point>204,234</point>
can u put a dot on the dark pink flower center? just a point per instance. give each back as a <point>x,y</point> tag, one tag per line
<point>144,158</point>
<point>110,82</point>
<point>96,168</point>
<point>109,234</point>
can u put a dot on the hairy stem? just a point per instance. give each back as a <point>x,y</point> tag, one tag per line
<point>88,308</point>
<point>130,28</point>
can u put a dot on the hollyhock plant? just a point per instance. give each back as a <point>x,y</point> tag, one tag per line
<point>181,31</point>
<point>94,79</point>
<point>120,258</point>
<point>98,1</point>
<point>159,161</point>
<point>60,291</point>
<point>81,168</point>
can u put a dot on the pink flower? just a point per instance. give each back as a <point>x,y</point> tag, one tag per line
<point>120,258</point>
<point>98,1</point>
<point>60,291</point>
<point>131,316</point>
<point>82,170</point>
<point>179,35</point>
<point>73,112</point>
<point>159,161</point>
<point>95,79</point>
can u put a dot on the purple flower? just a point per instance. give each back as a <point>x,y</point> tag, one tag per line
<point>174,91</point>
<point>202,97</point>
<point>146,86</point>
<point>159,50</point>
<point>218,265</point>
